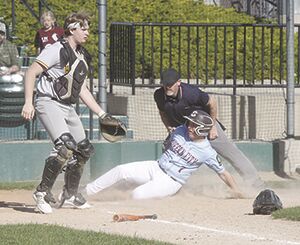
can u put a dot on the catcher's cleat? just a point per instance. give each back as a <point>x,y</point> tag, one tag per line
<point>76,201</point>
<point>41,202</point>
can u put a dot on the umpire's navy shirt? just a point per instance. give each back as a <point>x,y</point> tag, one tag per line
<point>189,98</point>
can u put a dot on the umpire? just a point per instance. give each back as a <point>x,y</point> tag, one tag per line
<point>176,100</point>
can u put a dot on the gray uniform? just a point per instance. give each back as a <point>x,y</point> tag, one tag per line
<point>58,89</point>
<point>58,116</point>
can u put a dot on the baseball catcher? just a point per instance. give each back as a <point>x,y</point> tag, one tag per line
<point>111,128</point>
<point>62,70</point>
<point>266,202</point>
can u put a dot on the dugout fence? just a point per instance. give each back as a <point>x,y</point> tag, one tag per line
<point>244,65</point>
<point>210,55</point>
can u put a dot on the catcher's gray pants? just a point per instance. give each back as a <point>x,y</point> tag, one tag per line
<point>58,118</point>
<point>229,151</point>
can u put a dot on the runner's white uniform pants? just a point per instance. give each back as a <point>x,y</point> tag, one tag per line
<point>151,180</point>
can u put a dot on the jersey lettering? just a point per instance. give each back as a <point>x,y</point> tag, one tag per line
<point>183,153</point>
<point>183,156</point>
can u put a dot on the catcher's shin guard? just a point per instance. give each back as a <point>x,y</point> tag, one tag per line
<point>53,167</point>
<point>73,175</point>
<point>75,168</point>
<point>85,149</point>
<point>64,147</point>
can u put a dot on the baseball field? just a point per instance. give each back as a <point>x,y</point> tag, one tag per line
<point>201,213</point>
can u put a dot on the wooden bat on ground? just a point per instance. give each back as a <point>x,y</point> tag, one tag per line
<point>130,217</point>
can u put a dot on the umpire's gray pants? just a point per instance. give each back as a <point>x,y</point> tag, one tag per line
<point>229,151</point>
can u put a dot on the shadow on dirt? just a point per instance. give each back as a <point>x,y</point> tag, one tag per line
<point>18,206</point>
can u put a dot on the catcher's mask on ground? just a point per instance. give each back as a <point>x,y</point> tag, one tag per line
<point>203,120</point>
<point>266,202</point>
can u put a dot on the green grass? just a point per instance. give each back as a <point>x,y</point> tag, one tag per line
<point>292,213</point>
<point>34,234</point>
<point>22,185</point>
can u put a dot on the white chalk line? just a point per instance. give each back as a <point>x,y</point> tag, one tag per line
<point>232,233</point>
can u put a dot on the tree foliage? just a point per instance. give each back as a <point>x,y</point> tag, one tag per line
<point>181,11</point>
<point>155,11</point>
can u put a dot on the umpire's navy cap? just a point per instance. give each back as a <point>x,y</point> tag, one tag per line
<point>169,77</point>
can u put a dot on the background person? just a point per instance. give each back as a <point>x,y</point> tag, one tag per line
<point>175,100</point>
<point>9,58</point>
<point>62,69</point>
<point>50,32</point>
<point>185,151</point>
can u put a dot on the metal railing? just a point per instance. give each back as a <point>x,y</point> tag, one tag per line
<point>210,55</point>
<point>122,55</point>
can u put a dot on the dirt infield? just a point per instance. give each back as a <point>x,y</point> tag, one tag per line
<point>201,213</point>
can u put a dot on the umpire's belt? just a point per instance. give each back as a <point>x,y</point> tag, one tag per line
<point>168,174</point>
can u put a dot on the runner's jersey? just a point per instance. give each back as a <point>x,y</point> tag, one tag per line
<point>183,156</point>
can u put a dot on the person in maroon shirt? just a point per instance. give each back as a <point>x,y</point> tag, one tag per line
<point>49,34</point>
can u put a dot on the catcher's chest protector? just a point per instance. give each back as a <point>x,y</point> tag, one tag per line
<point>68,86</point>
<point>266,202</point>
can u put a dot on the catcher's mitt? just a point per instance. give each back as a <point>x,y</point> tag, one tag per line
<point>112,129</point>
<point>266,202</point>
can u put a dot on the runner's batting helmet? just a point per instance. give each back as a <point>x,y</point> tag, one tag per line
<point>203,120</point>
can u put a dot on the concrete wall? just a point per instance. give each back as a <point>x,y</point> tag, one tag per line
<point>24,161</point>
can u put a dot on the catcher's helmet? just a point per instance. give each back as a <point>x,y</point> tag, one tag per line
<point>203,120</point>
